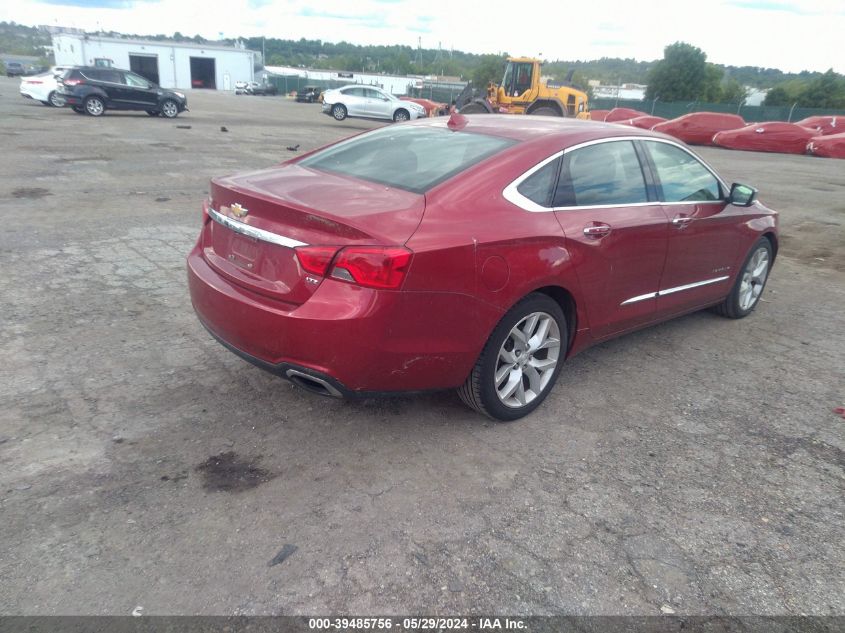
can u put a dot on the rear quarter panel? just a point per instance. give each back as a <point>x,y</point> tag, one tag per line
<point>472,242</point>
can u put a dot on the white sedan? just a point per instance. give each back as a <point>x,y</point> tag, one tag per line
<point>369,102</point>
<point>44,87</point>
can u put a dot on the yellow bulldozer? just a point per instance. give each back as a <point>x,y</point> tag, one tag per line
<point>523,92</point>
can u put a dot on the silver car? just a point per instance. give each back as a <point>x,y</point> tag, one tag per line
<point>369,102</point>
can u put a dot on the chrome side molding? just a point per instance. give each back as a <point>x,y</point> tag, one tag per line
<point>668,291</point>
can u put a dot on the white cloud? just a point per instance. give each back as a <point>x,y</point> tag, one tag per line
<point>792,36</point>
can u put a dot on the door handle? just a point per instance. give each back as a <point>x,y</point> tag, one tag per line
<point>597,230</point>
<point>681,221</point>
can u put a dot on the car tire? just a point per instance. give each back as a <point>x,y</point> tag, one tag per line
<point>78,109</point>
<point>401,115</point>
<point>750,282</point>
<point>169,109</point>
<point>55,99</point>
<point>153,112</point>
<point>500,386</point>
<point>544,111</point>
<point>339,111</point>
<point>94,106</point>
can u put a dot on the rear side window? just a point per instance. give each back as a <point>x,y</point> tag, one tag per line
<point>111,76</point>
<point>601,174</point>
<point>682,177</point>
<point>407,157</point>
<point>355,92</point>
<point>538,186</point>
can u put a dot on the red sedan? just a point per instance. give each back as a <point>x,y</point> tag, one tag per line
<point>476,254</point>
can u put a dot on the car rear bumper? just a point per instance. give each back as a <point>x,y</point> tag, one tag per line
<point>357,340</point>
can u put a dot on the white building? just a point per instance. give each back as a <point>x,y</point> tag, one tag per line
<point>625,91</point>
<point>394,84</point>
<point>169,64</point>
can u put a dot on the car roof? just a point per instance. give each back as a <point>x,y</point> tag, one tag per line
<point>562,131</point>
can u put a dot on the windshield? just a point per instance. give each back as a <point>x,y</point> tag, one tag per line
<point>411,158</point>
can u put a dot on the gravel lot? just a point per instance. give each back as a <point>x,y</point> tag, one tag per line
<point>695,466</point>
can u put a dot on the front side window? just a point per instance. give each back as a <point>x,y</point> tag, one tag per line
<point>601,174</point>
<point>682,176</point>
<point>136,81</point>
<point>374,94</point>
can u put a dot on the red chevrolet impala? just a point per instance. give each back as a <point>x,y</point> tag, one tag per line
<point>476,254</point>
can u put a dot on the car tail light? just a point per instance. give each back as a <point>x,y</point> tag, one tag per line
<point>72,82</point>
<point>315,259</point>
<point>34,81</point>
<point>373,266</point>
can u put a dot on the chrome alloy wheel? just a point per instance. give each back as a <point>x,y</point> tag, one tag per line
<point>169,109</point>
<point>527,360</point>
<point>754,279</point>
<point>94,106</point>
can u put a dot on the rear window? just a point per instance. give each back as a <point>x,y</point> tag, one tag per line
<point>407,157</point>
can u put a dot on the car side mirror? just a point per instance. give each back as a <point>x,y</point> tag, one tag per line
<point>742,195</point>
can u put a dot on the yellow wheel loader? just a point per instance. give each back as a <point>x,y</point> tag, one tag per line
<point>523,92</point>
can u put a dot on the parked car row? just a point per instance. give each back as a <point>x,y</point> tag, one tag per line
<point>94,90</point>
<point>814,135</point>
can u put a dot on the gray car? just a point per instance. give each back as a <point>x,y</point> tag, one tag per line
<point>369,102</point>
<point>15,69</point>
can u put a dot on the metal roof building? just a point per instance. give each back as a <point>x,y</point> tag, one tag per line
<point>169,64</point>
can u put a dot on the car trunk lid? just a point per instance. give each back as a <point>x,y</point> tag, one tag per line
<point>258,219</point>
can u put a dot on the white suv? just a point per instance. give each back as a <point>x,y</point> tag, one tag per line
<point>369,102</point>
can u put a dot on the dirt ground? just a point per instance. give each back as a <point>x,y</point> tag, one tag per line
<point>695,466</point>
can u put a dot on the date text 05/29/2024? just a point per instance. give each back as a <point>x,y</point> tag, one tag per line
<point>417,624</point>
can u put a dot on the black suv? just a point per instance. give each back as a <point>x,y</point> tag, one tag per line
<point>91,90</point>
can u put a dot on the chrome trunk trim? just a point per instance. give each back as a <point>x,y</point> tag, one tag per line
<point>251,231</point>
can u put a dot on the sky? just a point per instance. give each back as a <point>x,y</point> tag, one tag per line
<point>790,35</point>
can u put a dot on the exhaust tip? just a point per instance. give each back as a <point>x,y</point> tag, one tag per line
<point>312,383</point>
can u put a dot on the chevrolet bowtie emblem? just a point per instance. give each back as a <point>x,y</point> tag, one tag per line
<point>238,211</point>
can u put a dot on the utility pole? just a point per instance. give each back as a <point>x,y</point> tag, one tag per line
<point>418,60</point>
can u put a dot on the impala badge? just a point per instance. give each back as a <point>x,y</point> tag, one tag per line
<point>238,211</point>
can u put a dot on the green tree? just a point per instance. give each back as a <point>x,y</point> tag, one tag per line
<point>488,70</point>
<point>777,96</point>
<point>827,91</point>
<point>680,76</point>
<point>711,89</point>
<point>733,91</point>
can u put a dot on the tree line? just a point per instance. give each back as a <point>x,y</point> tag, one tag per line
<point>684,74</point>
